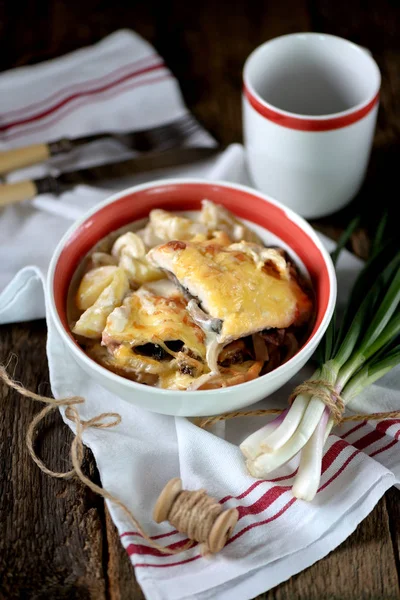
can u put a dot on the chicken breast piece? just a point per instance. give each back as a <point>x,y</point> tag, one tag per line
<point>238,286</point>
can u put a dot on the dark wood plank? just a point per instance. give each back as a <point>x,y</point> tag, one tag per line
<point>121,582</point>
<point>56,541</point>
<point>51,540</point>
<point>351,571</point>
<point>393,509</point>
<point>208,54</point>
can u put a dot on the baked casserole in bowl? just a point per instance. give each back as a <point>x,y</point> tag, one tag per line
<point>191,298</point>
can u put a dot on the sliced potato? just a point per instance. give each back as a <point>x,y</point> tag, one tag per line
<point>93,320</point>
<point>92,284</point>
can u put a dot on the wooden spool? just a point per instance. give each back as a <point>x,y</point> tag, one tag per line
<point>221,529</point>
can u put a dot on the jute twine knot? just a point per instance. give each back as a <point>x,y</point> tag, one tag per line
<point>325,392</point>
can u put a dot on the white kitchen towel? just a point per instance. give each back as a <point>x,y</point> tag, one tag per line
<point>277,535</point>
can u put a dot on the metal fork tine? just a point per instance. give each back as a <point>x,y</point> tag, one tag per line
<point>165,136</point>
<point>171,125</point>
<point>180,130</point>
<point>187,121</point>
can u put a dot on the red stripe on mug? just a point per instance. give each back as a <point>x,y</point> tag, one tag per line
<point>308,124</point>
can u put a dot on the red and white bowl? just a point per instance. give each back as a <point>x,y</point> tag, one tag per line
<point>273,222</point>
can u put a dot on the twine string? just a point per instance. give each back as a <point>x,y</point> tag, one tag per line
<point>317,387</point>
<point>102,421</point>
<point>325,392</point>
<point>194,513</point>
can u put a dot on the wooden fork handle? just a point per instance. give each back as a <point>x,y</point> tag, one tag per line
<point>23,157</point>
<point>11,193</point>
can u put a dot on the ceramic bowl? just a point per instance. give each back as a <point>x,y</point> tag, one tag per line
<point>275,223</point>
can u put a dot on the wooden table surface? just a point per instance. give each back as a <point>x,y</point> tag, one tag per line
<point>56,539</point>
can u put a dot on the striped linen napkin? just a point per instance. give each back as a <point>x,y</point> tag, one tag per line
<point>115,85</point>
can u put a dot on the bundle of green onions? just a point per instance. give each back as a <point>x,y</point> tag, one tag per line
<point>351,357</point>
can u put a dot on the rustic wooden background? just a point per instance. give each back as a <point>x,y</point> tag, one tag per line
<point>56,539</point>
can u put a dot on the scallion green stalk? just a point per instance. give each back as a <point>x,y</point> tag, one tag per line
<point>363,349</point>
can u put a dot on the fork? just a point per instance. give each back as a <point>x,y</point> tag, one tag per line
<point>163,137</point>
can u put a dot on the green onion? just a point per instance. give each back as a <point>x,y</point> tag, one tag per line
<point>325,349</point>
<point>364,348</point>
<point>380,233</point>
<point>371,371</point>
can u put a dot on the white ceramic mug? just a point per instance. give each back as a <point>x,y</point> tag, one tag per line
<point>310,103</point>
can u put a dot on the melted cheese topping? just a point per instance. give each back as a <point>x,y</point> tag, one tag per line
<point>233,287</point>
<point>139,368</point>
<point>174,380</point>
<point>155,313</point>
